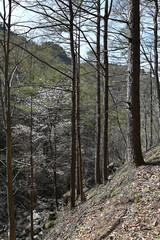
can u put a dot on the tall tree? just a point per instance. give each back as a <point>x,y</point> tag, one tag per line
<point>79,152</point>
<point>156,61</point>
<point>105,147</point>
<point>53,151</point>
<point>151,109</point>
<point>133,84</point>
<point>98,131</point>
<point>73,118</point>
<point>107,12</point>
<point>31,172</point>
<point>7,113</point>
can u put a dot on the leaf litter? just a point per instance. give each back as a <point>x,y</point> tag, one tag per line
<point>127,207</point>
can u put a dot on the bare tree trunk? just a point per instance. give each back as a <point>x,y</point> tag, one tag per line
<point>54,156</point>
<point>98,135</point>
<point>145,127</point>
<point>151,111</point>
<point>12,225</point>
<point>79,157</point>
<point>133,85</point>
<point>73,120</point>
<point>78,182</point>
<point>32,174</point>
<point>105,147</point>
<point>156,76</point>
<point>55,167</point>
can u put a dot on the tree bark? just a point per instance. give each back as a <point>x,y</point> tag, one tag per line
<point>98,135</point>
<point>32,173</point>
<point>156,75</point>
<point>133,85</point>
<point>10,198</point>
<point>73,118</point>
<point>151,110</point>
<point>55,167</point>
<point>78,171</point>
<point>79,152</point>
<point>105,148</point>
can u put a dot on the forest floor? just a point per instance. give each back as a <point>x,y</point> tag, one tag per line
<point>127,207</point>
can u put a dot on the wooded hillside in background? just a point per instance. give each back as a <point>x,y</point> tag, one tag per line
<point>80,95</point>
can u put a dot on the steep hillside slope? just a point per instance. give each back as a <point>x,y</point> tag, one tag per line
<point>127,207</point>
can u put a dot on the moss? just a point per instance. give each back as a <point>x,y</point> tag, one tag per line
<point>92,194</point>
<point>115,191</point>
<point>66,199</point>
<point>121,173</point>
<point>49,224</point>
<point>52,216</point>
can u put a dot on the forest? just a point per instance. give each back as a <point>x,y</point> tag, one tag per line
<point>79,105</point>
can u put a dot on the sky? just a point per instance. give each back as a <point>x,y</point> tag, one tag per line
<point>22,20</point>
<point>20,17</point>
